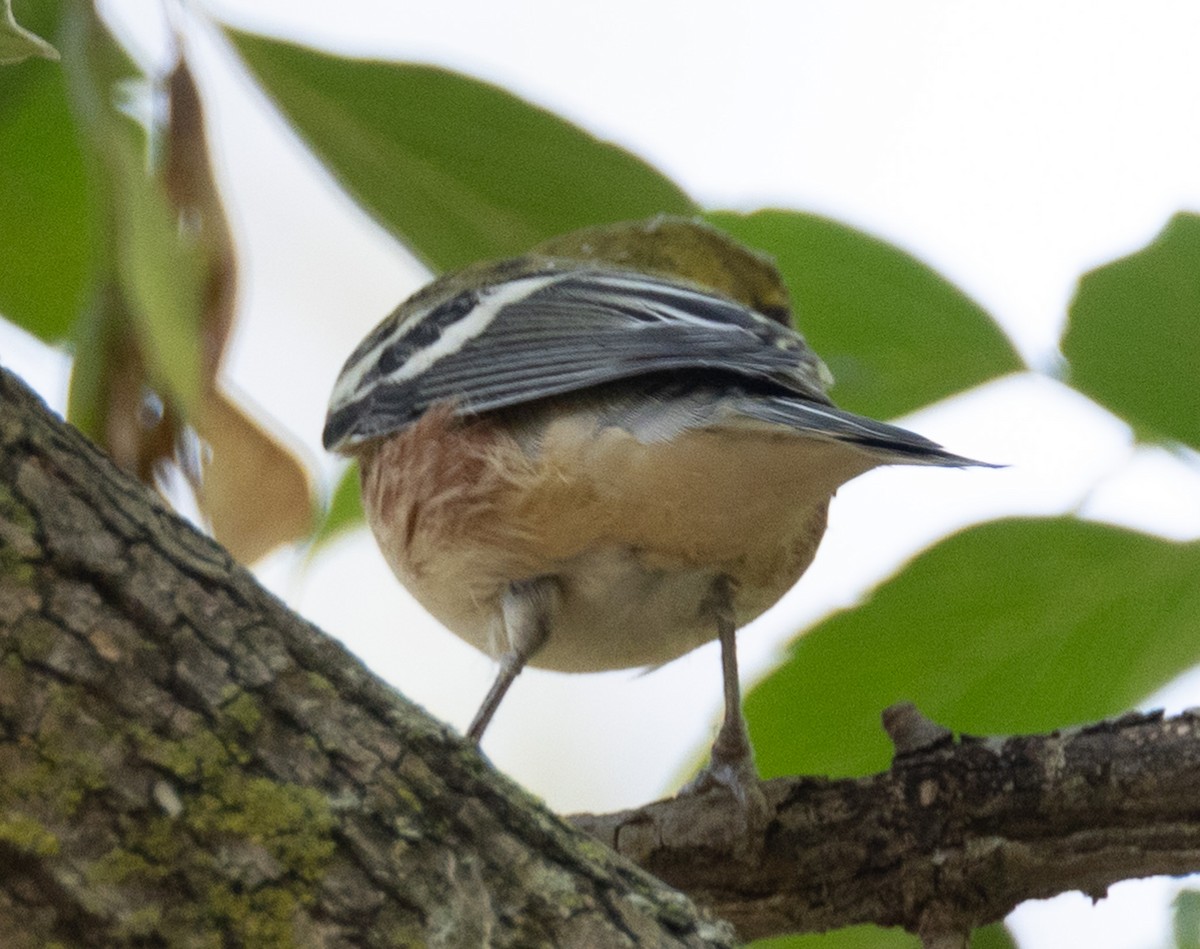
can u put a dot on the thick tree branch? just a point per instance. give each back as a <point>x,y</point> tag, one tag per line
<point>181,757</point>
<point>183,762</point>
<point>954,836</point>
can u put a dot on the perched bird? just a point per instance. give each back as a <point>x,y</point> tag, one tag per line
<point>604,454</point>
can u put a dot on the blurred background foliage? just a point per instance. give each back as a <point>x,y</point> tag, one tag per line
<point>115,246</point>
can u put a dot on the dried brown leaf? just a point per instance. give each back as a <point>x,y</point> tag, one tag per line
<point>253,490</point>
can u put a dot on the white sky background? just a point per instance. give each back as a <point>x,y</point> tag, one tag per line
<point>1011,145</point>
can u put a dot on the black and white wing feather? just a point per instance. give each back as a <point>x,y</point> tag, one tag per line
<point>550,332</point>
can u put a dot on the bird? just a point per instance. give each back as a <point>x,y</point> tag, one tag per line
<point>603,454</point>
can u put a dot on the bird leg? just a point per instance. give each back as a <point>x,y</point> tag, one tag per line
<point>526,609</point>
<point>732,761</point>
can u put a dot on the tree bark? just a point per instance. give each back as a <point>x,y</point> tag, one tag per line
<point>184,762</point>
<point>955,835</point>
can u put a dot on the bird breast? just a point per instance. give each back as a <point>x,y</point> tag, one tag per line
<point>635,532</point>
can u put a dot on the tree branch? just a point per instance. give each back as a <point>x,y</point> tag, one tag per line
<point>180,756</point>
<point>184,762</point>
<point>954,836</point>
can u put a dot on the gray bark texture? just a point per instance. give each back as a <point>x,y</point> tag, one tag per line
<point>184,762</point>
<point>955,835</point>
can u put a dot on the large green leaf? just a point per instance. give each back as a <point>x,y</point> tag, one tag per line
<point>45,215</point>
<point>1133,340</point>
<point>458,169</point>
<point>1013,626</point>
<point>142,321</point>
<point>895,334</point>
<point>161,268</point>
<point>872,937</point>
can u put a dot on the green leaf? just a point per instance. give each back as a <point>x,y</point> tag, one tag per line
<point>18,44</point>
<point>45,214</point>
<point>1019,625</point>
<point>995,936</point>
<point>345,509</point>
<point>162,272</point>
<point>1133,340</point>
<point>872,937</point>
<point>1187,920</point>
<point>895,334</point>
<point>458,169</point>
<point>148,272</point>
<point>97,339</point>
<point>852,937</point>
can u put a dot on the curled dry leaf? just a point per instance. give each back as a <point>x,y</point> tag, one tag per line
<point>253,490</point>
<point>149,347</point>
<point>140,429</point>
<point>192,191</point>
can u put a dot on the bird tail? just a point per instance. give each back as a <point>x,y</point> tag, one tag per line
<point>894,445</point>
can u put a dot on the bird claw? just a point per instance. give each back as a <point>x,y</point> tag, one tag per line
<point>740,778</point>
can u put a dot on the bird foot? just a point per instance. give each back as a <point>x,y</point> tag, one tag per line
<point>739,777</point>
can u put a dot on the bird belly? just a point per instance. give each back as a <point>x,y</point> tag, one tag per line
<point>634,534</point>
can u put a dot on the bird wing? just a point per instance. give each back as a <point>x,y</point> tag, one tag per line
<point>552,332</point>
